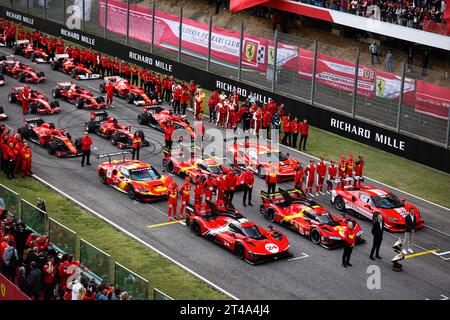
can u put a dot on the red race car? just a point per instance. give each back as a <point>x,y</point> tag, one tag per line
<point>20,71</point>
<point>368,201</point>
<point>293,209</point>
<point>156,117</point>
<point>201,167</point>
<point>3,115</point>
<point>259,157</point>
<point>223,224</point>
<point>78,71</point>
<point>26,49</point>
<point>39,103</point>
<point>133,94</point>
<point>82,98</point>
<point>108,128</point>
<point>136,178</point>
<point>57,142</point>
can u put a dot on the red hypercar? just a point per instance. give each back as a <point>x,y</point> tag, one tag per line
<point>78,71</point>
<point>26,49</point>
<point>259,157</point>
<point>133,94</point>
<point>20,71</point>
<point>136,178</point>
<point>57,142</point>
<point>82,98</point>
<point>3,115</point>
<point>293,209</point>
<point>109,128</point>
<point>39,103</point>
<point>200,167</point>
<point>223,224</point>
<point>156,117</point>
<point>368,201</point>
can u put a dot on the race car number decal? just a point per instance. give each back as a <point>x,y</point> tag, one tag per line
<point>272,248</point>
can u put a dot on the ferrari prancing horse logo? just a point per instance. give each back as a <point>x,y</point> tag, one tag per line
<point>250,50</point>
<point>3,290</point>
<point>380,87</point>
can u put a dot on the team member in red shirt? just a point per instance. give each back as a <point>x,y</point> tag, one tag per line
<point>49,273</point>
<point>198,191</point>
<point>295,129</point>
<point>349,243</point>
<point>321,169</point>
<point>310,170</point>
<point>230,182</point>
<point>173,200</point>
<point>168,132</point>
<point>136,145</point>
<point>221,186</point>
<point>177,94</point>
<point>25,99</point>
<point>109,93</point>
<point>287,130</point>
<point>350,163</point>
<point>271,178</point>
<point>359,165</point>
<point>185,100</point>
<point>185,191</point>
<point>266,119</point>
<point>298,177</point>
<point>134,75</point>
<point>86,143</point>
<point>332,172</point>
<point>249,180</point>
<point>208,187</point>
<point>304,130</point>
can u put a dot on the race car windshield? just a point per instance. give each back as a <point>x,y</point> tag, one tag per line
<point>325,218</point>
<point>252,232</point>
<point>148,174</point>
<point>389,201</point>
<point>215,169</point>
<point>272,157</point>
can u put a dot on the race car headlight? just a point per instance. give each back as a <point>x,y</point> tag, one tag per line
<point>392,219</point>
<point>359,233</point>
<point>251,254</point>
<point>141,190</point>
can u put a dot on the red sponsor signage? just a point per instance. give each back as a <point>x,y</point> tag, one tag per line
<point>225,44</point>
<point>432,99</point>
<point>8,291</point>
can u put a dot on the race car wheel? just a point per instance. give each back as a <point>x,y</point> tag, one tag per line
<point>12,98</point>
<point>240,251</point>
<point>56,93</point>
<point>339,203</point>
<point>115,138</point>
<point>130,98</point>
<point>102,176</point>
<point>54,104</point>
<point>79,103</point>
<point>78,144</point>
<point>40,74</point>
<point>170,167</point>
<point>24,132</point>
<point>73,73</point>
<point>100,99</point>
<point>131,192</point>
<point>196,229</point>
<point>33,108</point>
<point>102,88</point>
<point>315,236</point>
<point>143,119</point>
<point>270,215</point>
<point>21,77</point>
<point>261,172</point>
<point>2,58</point>
<point>51,147</point>
<point>91,126</point>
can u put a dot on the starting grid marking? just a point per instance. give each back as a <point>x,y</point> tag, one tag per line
<point>441,254</point>
<point>418,254</point>
<point>167,223</point>
<point>304,255</point>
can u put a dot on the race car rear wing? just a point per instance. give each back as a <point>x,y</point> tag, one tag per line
<point>19,42</point>
<point>287,196</point>
<point>230,210</point>
<point>110,155</point>
<point>34,121</point>
<point>61,56</point>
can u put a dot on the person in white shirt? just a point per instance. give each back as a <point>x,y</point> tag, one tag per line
<point>76,289</point>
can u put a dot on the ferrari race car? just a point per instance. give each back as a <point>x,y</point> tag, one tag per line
<point>3,115</point>
<point>136,178</point>
<point>156,117</point>
<point>369,201</point>
<point>20,71</point>
<point>293,209</point>
<point>201,167</point>
<point>108,128</point>
<point>77,71</point>
<point>223,224</point>
<point>26,49</point>
<point>259,157</point>
<point>133,94</point>
<point>57,142</point>
<point>39,103</point>
<point>82,98</point>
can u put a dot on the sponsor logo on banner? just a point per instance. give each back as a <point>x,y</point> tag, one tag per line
<point>250,49</point>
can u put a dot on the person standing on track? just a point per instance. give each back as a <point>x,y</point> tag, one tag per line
<point>359,165</point>
<point>26,160</point>
<point>86,143</point>
<point>185,191</point>
<point>249,180</point>
<point>168,132</point>
<point>172,195</point>
<point>342,170</point>
<point>321,169</point>
<point>350,163</point>
<point>332,171</point>
<point>136,145</point>
<point>109,93</point>
<point>304,131</point>
<point>309,171</point>
<point>271,178</point>
<point>295,129</point>
<point>198,191</point>
<point>230,181</point>
<point>208,187</point>
<point>349,243</point>
<point>410,227</point>
<point>377,232</point>
<point>298,177</point>
<point>286,130</point>
<point>25,99</point>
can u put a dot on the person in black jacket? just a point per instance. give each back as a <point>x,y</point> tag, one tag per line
<point>410,226</point>
<point>21,236</point>
<point>377,232</point>
<point>35,280</point>
<point>23,283</point>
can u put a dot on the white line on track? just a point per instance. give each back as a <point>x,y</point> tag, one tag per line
<point>136,238</point>
<point>91,87</point>
<point>304,255</point>
<point>445,234</point>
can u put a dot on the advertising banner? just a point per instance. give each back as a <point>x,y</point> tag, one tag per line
<point>8,291</point>
<point>432,100</point>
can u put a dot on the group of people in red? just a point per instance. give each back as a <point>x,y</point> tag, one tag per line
<point>15,154</point>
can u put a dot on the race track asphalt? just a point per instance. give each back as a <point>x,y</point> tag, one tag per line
<point>318,275</point>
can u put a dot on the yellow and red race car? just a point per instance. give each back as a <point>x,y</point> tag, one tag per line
<point>136,178</point>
